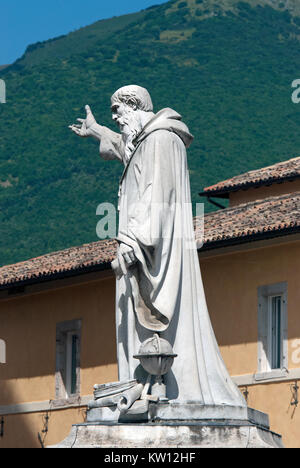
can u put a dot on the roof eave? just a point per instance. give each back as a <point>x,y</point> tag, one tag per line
<point>225,191</point>
<point>271,234</point>
<point>43,278</point>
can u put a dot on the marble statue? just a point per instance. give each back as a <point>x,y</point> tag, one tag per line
<point>173,388</point>
<point>159,285</point>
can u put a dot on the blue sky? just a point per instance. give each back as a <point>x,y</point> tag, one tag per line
<point>24,22</point>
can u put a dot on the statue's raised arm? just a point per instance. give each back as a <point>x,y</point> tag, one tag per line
<point>111,143</point>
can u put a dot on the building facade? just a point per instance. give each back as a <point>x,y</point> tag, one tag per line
<point>57,314</point>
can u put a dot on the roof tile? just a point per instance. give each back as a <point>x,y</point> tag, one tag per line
<point>248,221</point>
<point>274,214</point>
<point>287,170</point>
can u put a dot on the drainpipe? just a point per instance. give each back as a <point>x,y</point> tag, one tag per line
<point>215,203</point>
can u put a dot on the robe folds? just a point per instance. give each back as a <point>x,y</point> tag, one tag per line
<point>163,291</point>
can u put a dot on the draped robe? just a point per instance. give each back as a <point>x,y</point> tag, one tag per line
<point>163,291</point>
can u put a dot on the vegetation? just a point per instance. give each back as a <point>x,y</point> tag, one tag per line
<point>226,66</point>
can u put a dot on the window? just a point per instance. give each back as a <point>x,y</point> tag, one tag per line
<point>272,329</point>
<point>2,352</point>
<point>68,336</point>
<point>71,362</point>
<point>275,340</point>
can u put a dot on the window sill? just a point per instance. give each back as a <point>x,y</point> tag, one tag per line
<point>43,406</point>
<point>266,377</point>
<point>73,400</point>
<point>272,374</point>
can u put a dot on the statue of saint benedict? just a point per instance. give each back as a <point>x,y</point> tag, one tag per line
<point>159,284</point>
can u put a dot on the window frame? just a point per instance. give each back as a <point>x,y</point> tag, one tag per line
<point>265,369</point>
<point>277,353</point>
<point>64,359</point>
<point>2,352</point>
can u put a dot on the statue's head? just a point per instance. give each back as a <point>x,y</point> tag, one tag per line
<point>131,108</point>
<point>133,97</point>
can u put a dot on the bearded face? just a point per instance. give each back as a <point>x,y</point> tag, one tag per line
<point>129,122</point>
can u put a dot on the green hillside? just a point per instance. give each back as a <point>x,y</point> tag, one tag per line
<point>226,66</point>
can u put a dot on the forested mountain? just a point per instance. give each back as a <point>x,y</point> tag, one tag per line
<point>225,66</point>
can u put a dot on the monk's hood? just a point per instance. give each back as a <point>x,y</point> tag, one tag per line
<point>167,119</point>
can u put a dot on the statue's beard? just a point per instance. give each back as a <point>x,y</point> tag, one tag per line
<point>130,126</point>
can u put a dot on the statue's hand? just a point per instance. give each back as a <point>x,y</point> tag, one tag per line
<point>126,257</point>
<point>127,253</point>
<point>86,126</point>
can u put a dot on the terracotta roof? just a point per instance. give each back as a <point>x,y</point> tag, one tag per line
<point>267,218</point>
<point>56,264</point>
<point>271,217</point>
<point>283,171</point>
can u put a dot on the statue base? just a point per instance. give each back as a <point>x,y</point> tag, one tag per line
<point>174,425</point>
<point>225,434</point>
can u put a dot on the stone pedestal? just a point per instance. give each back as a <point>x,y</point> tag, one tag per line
<point>225,434</point>
<point>174,425</point>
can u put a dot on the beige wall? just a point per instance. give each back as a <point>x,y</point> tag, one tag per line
<point>252,194</point>
<point>231,283</point>
<point>274,399</point>
<point>21,430</point>
<point>28,325</point>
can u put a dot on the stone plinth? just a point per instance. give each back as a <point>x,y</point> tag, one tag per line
<point>174,425</point>
<point>174,411</point>
<point>222,434</point>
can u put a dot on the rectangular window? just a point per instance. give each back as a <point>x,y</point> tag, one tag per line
<point>2,352</point>
<point>71,362</point>
<point>272,330</point>
<point>275,351</point>
<point>68,335</point>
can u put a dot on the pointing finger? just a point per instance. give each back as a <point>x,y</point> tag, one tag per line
<point>75,130</point>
